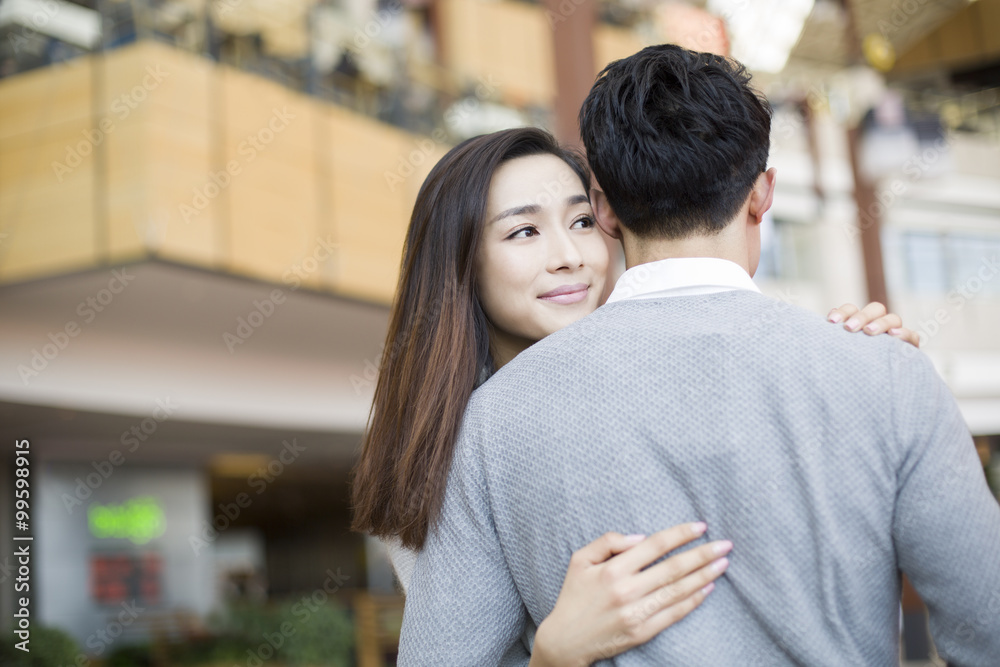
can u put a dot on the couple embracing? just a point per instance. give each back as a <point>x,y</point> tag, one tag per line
<point>535,460</point>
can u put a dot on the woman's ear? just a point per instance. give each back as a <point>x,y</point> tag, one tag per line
<point>604,215</point>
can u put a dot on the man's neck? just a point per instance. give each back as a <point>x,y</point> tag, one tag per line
<point>724,245</point>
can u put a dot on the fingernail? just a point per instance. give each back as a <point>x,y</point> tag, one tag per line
<point>895,332</point>
<point>871,327</point>
<point>723,547</point>
<point>635,537</point>
<point>708,589</point>
<point>699,528</point>
<point>720,565</point>
<point>852,324</point>
<point>835,316</point>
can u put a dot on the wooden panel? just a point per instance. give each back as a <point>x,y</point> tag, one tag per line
<point>179,217</point>
<point>960,38</point>
<point>168,124</point>
<point>184,219</point>
<point>126,189</point>
<point>125,103</point>
<point>988,20</point>
<point>480,48</point>
<point>47,218</point>
<point>611,43</point>
<point>273,203</point>
<point>918,57</point>
<point>32,101</point>
<point>187,78</point>
<point>968,37</point>
<point>369,212</point>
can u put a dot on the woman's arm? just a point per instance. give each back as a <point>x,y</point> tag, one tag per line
<point>609,603</point>
<point>873,320</point>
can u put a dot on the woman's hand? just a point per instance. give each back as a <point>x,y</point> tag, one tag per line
<point>873,320</point>
<point>609,603</point>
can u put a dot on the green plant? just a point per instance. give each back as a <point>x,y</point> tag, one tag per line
<point>290,632</point>
<point>49,647</point>
<point>322,637</point>
<point>131,655</point>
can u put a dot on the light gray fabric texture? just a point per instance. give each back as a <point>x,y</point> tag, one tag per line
<point>831,460</point>
<point>404,559</point>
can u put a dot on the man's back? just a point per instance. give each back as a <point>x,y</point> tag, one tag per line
<point>828,460</point>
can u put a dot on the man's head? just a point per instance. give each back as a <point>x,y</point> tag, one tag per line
<point>678,142</point>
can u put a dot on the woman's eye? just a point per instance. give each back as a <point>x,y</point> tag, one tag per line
<point>523,233</point>
<point>583,223</point>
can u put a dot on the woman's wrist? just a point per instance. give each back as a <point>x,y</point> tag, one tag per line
<point>545,651</point>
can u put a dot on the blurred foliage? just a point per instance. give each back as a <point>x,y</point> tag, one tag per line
<point>292,633</point>
<point>49,647</point>
<point>296,633</point>
<point>130,655</point>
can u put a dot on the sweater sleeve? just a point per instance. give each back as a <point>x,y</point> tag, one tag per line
<point>946,525</point>
<point>462,607</point>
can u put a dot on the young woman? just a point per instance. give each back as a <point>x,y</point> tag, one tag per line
<point>502,250</point>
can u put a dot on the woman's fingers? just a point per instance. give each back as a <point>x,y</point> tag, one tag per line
<point>665,617</point>
<point>874,321</point>
<point>880,325</point>
<point>872,311</point>
<point>838,315</point>
<point>604,547</point>
<point>686,572</point>
<point>653,547</point>
<point>908,335</point>
<point>647,618</point>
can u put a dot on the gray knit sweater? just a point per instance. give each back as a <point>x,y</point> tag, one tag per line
<point>832,461</point>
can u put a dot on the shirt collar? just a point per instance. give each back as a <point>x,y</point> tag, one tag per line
<point>681,276</point>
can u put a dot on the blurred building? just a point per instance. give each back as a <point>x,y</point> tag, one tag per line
<point>202,208</point>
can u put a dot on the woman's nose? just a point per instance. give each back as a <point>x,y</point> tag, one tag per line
<point>563,252</point>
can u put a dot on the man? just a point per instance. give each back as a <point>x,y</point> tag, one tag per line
<point>690,396</point>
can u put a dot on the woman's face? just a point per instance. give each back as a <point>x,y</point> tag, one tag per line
<point>543,261</point>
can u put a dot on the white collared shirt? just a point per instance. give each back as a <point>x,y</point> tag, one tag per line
<point>681,276</point>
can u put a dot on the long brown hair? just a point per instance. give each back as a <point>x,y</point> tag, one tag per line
<point>438,345</point>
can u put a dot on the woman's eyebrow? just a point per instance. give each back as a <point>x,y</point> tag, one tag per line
<point>527,209</point>
<point>530,209</point>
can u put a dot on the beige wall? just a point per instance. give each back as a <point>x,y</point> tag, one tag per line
<point>170,169</point>
<point>510,43</point>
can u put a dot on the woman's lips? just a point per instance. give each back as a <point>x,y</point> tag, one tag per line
<point>567,294</point>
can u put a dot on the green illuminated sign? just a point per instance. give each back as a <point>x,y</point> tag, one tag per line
<point>139,520</point>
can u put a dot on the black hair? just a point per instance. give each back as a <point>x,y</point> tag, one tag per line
<point>676,140</point>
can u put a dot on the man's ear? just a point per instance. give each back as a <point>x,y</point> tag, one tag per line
<point>762,195</point>
<point>604,215</point>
